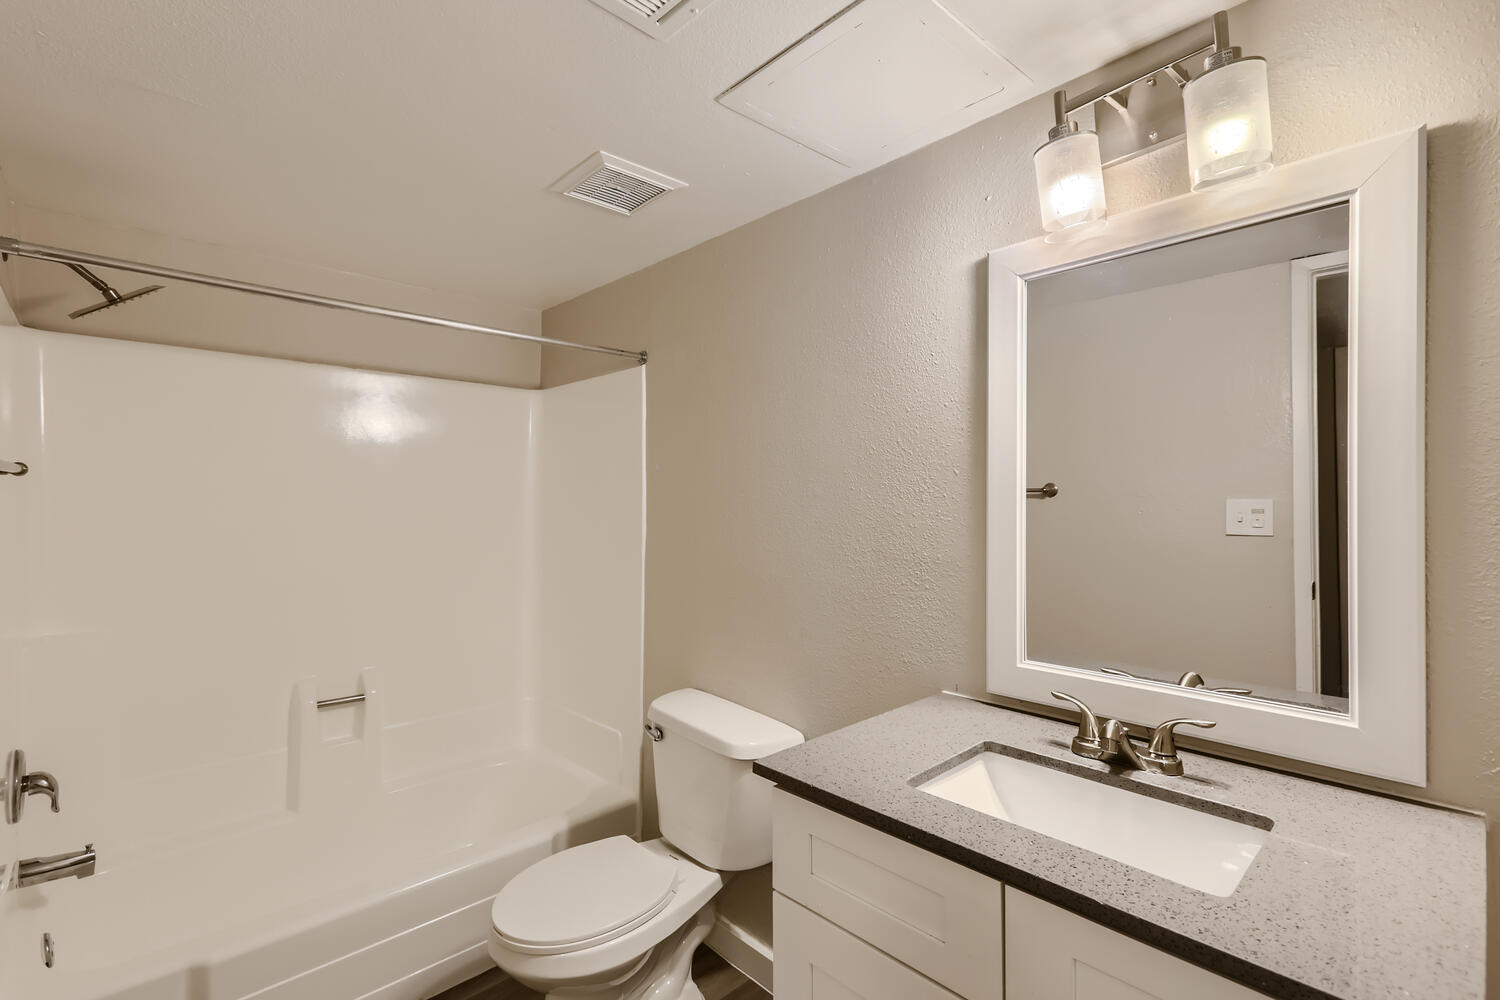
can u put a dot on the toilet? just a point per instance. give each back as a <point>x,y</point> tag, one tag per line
<point>619,920</point>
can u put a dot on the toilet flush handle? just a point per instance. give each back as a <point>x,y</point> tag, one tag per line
<point>654,731</point>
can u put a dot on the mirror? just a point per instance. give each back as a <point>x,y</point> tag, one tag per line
<point>1205,478</point>
<point>1186,459</point>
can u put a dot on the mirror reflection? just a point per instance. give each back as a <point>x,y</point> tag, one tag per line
<point>1186,458</point>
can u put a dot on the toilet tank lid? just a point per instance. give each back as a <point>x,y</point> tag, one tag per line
<point>721,726</point>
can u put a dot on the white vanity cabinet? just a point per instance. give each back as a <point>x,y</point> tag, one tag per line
<point>1056,955</point>
<point>929,914</point>
<point>862,915</point>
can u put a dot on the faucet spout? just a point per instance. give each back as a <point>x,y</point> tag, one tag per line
<point>75,864</point>
<point>1111,743</point>
<point>1115,733</point>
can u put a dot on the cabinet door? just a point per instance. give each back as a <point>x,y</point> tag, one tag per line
<point>940,918</point>
<point>816,960</point>
<point>1051,954</point>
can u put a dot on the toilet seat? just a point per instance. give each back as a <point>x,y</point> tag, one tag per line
<point>583,897</point>
<point>616,959</point>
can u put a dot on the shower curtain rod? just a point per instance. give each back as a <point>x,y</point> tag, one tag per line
<point>57,255</point>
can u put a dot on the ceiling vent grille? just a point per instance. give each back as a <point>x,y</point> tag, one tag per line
<point>650,8</point>
<point>657,18</point>
<point>615,184</point>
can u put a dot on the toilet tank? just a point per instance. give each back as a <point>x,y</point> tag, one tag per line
<point>709,804</point>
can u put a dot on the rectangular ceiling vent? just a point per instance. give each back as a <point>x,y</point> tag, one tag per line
<point>615,184</point>
<point>657,18</point>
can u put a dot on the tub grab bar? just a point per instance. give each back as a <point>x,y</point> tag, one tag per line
<point>348,699</point>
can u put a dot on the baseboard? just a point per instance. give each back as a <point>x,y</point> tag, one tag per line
<point>743,950</point>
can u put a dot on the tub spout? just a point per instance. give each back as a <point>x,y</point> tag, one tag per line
<point>76,864</point>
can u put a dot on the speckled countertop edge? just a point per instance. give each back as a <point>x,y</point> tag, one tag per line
<point>1339,905</point>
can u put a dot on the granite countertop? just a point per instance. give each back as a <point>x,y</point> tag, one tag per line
<point>1353,896</point>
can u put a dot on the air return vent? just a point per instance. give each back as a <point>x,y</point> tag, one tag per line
<point>657,18</point>
<point>881,79</point>
<point>615,184</point>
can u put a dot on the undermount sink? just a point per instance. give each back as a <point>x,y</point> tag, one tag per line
<point>1190,846</point>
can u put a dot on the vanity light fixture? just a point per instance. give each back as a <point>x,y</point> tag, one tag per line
<point>1070,179</point>
<point>1143,101</point>
<point>1227,111</point>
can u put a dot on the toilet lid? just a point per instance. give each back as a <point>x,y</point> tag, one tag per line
<point>583,896</point>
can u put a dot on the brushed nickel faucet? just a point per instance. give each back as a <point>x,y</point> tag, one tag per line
<point>1111,742</point>
<point>74,864</point>
<point>16,786</point>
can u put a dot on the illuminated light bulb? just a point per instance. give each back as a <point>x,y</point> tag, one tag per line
<point>1072,195</point>
<point>1227,111</point>
<point>1070,184</point>
<point>1228,136</point>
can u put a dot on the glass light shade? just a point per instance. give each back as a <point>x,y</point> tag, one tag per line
<point>1070,183</point>
<point>1228,117</point>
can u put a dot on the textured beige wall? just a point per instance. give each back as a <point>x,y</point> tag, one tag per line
<point>816,401</point>
<point>1148,418</point>
<point>186,315</point>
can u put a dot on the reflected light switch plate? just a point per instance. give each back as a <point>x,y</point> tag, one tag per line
<point>1249,517</point>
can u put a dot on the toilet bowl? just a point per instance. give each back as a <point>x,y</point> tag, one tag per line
<point>604,920</point>
<point>619,920</point>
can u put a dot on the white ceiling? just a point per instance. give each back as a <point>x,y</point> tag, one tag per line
<point>415,141</point>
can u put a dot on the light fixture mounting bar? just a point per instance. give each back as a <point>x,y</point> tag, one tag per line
<point>1137,114</point>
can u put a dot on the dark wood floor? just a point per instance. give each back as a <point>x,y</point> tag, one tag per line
<point>715,977</point>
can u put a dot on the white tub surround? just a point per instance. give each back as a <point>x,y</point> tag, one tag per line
<point>391,903</point>
<point>205,547</point>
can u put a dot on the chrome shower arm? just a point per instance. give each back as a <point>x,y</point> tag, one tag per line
<point>101,286</point>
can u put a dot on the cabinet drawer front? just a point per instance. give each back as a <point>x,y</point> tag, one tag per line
<point>817,961</point>
<point>1056,955</point>
<point>940,918</point>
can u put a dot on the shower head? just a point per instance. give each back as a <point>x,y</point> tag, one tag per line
<point>111,297</point>
<point>114,300</point>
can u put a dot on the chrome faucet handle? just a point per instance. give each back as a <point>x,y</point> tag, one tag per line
<point>41,783</point>
<point>1088,723</point>
<point>1090,742</point>
<point>17,785</point>
<point>1162,743</point>
<point>1160,756</point>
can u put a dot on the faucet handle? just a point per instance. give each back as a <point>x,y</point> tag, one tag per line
<point>1088,723</point>
<point>1092,741</point>
<point>1162,744</point>
<point>16,785</point>
<point>41,783</point>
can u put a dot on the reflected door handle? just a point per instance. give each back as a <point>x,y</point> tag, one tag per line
<point>1044,492</point>
<point>13,468</point>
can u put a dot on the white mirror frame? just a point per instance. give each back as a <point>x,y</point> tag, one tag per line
<point>1385,732</point>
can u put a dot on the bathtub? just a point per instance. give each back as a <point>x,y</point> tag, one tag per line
<point>387,901</point>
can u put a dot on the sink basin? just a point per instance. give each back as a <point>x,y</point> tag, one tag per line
<point>1188,845</point>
